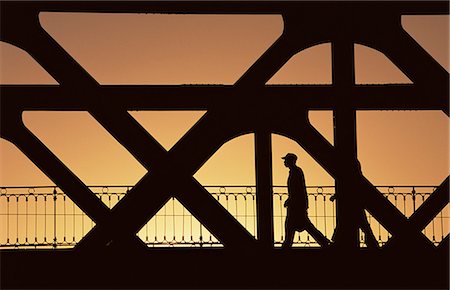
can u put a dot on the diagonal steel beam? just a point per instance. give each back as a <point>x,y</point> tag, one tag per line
<point>206,208</point>
<point>48,163</point>
<point>268,64</point>
<point>390,217</point>
<point>285,47</point>
<point>423,70</point>
<point>130,134</point>
<point>23,30</point>
<point>444,245</point>
<point>431,207</point>
<point>426,212</point>
<point>130,214</point>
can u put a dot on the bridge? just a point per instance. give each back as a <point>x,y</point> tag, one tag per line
<point>71,235</point>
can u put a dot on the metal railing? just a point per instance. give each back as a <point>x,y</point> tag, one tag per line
<point>44,217</point>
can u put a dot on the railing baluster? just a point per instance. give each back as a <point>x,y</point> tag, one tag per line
<point>65,219</point>
<point>54,217</point>
<point>17,221</point>
<point>26,220</point>
<point>45,219</point>
<point>254,211</point>
<point>35,220</point>
<point>73,221</point>
<point>434,233</point>
<point>156,228</point>
<point>165,223</point>
<point>182,231</point>
<point>7,220</point>
<point>423,200</point>
<point>146,234</point>
<point>236,205</point>
<point>201,235</point>
<point>404,204</point>
<point>281,218</point>
<point>324,215</point>
<point>192,238</point>
<point>173,220</point>
<point>315,209</point>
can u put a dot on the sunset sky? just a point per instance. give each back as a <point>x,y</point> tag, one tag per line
<point>394,147</point>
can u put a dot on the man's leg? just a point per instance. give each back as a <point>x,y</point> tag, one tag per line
<point>290,232</point>
<point>316,234</point>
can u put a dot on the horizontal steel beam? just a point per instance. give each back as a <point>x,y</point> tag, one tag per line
<point>364,97</point>
<point>230,7</point>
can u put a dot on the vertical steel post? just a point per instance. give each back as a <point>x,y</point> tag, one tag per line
<point>344,116</point>
<point>264,187</point>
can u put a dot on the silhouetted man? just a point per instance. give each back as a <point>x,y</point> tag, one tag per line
<point>369,238</point>
<point>297,205</point>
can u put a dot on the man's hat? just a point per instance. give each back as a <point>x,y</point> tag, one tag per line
<point>290,156</point>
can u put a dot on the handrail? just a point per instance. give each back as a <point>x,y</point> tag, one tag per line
<point>209,186</point>
<point>39,219</point>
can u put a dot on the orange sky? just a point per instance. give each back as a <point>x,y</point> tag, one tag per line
<point>394,147</point>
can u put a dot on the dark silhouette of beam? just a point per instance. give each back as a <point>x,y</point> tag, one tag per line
<point>235,7</point>
<point>214,216</point>
<point>46,161</point>
<point>145,204</point>
<point>431,206</point>
<point>424,70</point>
<point>344,121</point>
<point>391,218</point>
<point>195,97</point>
<point>268,64</point>
<point>425,213</point>
<point>21,22</point>
<point>444,245</point>
<point>264,187</point>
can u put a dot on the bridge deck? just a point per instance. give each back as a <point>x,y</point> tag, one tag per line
<point>212,268</point>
